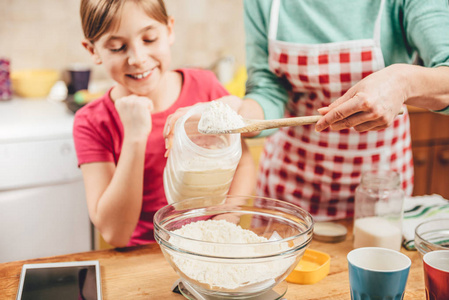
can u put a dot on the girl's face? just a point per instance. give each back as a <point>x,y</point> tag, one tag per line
<point>136,54</point>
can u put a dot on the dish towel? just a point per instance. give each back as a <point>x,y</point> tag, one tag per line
<point>419,209</point>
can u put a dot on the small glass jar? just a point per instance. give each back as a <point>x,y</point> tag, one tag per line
<point>199,164</point>
<point>378,214</point>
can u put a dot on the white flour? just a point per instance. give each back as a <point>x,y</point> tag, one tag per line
<point>219,116</point>
<point>227,275</point>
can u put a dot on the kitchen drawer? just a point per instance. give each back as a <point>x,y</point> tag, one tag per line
<point>35,163</point>
<point>427,126</point>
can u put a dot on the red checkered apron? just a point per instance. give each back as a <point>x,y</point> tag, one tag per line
<point>320,171</point>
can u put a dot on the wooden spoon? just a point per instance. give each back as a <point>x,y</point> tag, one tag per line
<point>258,125</point>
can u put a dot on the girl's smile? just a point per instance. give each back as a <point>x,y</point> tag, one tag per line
<point>139,76</point>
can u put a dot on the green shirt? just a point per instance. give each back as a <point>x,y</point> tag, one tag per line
<point>407,27</point>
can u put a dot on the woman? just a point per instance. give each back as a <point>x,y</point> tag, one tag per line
<point>309,57</point>
<point>351,62</point>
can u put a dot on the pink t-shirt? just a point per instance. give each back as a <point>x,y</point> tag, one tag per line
<point>98,136</point>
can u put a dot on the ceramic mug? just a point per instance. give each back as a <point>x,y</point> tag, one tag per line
<point>79,77</point>
<point>377,273</point>
<point>436,274</point>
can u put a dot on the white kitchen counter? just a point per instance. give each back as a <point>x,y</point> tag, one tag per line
<point>43,210</point>
<point>30,119</point>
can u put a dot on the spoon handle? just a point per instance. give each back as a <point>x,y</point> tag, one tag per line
<point>276,123</point>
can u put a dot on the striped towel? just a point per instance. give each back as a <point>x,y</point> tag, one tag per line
<point>419,209</point>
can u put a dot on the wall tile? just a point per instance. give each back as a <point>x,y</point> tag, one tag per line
<point>47,33</point>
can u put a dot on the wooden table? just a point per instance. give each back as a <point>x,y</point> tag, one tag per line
<point>143,273</point>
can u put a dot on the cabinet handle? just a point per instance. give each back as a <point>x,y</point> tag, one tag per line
<point>419,159</point>
<point>443,156</point>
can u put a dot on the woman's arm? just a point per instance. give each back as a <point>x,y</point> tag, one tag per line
<point>263,86</point>
<point>428,88</point>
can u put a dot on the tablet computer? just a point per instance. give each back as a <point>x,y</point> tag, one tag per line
<point>78,280</point>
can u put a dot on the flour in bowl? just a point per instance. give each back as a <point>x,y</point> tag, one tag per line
<point>228,273</point>
<point>219,116</point>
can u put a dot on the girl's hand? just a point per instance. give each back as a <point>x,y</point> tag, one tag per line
<point>233,101</point>
<point>135,114</point>
<point>371,104</point>
<point>170,126</point>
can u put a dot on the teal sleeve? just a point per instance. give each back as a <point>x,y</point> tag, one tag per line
<point>426,24</point>
<point>262,85</point>
<point>427,27</point>
<point>444,111</point>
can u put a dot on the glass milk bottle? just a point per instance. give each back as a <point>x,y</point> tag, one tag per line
<point>378,213</point>
<point>199,164</point>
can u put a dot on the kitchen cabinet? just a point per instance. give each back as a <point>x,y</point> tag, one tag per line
<point>440,171</point>
<point>430,144</point>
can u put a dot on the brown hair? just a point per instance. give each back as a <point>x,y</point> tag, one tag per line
<point>99,16</point>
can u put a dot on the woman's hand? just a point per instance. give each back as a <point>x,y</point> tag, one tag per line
<point>135,114</point>
<point>371,104</point>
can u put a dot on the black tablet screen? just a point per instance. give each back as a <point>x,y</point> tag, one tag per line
<point>74,282</point>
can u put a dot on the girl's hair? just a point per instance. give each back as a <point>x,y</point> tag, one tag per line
<point>100,16</point>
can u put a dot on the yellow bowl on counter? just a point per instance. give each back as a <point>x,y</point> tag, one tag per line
<point>33,83</point>
<point>313,266</point>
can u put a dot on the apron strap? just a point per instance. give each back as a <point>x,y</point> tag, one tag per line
<point>274,19</point>
<point>377,25</point>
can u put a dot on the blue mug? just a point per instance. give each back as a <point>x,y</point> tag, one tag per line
<point>377,273</point>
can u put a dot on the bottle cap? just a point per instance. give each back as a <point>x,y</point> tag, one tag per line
<point>329,232</point>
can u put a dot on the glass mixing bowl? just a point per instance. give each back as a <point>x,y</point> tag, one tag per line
<point>234,270</point>
<point>432,235</point>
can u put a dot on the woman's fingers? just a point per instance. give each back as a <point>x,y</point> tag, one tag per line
<point>370,126</point>
<point>359,125</point>
<point>346,97</point>
<point>340,113</point>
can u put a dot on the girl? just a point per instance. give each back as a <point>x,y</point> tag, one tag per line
<point>118,138</point>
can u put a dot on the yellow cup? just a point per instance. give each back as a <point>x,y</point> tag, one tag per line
<point>313,266</point>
